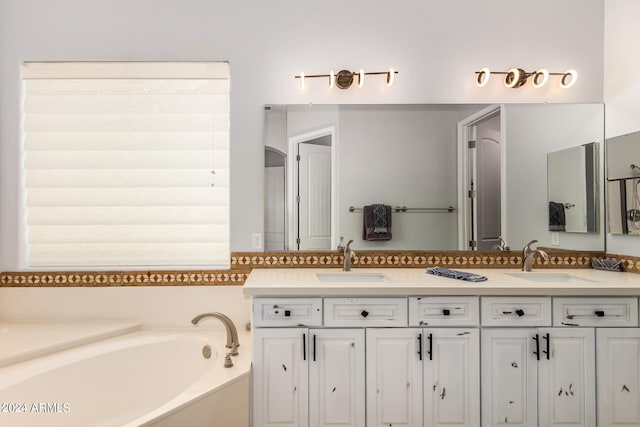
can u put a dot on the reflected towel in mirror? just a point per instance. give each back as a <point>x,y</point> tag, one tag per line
<point>557,218</point>
<point>376,222</point>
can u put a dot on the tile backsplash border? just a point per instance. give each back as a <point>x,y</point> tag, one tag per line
<point>243,262</point>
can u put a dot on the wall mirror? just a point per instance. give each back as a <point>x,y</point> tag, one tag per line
<point>623,184</point>
<point>456,177</point>
<point>572,189</point>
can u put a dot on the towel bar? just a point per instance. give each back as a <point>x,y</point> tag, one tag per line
<point>406,209</point>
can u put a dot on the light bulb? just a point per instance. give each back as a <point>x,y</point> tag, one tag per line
<point>483,77</point>
<point>540,78</point>
<point>361,78</point>
<point>302,81</point>
<point>332,79</point>
<point>568,79</point>
<point>512,77</point>
<point>391,75</point>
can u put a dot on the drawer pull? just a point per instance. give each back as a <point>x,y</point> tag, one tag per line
<point>520,312</point>
<point>420,346</point>
<point>446,312</point>
<point>364,313</point>
<point>536,338</point>
<point>599,313</point>
<point>430,351</point>
<point>546,337</point>
<point>287,313</point>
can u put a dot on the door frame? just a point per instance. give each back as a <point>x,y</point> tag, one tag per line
<point>464,133</point>
<point>292,182</point>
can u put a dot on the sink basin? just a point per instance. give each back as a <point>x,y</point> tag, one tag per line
<point>549,277</point>
<point>350,276</point>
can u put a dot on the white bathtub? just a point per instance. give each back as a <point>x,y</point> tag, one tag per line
<point>139,378</point>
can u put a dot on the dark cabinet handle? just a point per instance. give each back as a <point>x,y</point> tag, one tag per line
<point>546,337</point>
<point>446,312</point>
<point>420,346</point>
<point>430,352</point>
<point>364,313</point>
<point>287,313</point>
<point>314,347</point>
<point>537,352</point>
<point>599,313</point>
<point>304,346</point>
<point>520,312</point>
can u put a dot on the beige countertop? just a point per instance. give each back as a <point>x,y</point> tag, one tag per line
<point>415,281</point>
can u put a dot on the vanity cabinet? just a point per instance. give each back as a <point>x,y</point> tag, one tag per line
<point>418,361</point>
<point>618,368</point>
<point>451,377</point>
<point>538,377</point>
<point>394,377</point>
<point>308,377</point>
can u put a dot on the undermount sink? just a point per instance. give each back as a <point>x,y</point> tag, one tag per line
<point>350,276</point>
<point>549,277</point>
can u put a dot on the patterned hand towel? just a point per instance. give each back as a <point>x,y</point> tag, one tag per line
<point>455,274</point>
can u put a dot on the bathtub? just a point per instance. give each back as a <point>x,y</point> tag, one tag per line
<point>142,378</point>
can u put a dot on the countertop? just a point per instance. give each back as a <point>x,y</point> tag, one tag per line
<point>415,281</point>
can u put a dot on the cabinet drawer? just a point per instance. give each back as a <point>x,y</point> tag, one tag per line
<point>618,312</point>
<point>516,311</point>
<point>273,312</point>
<point>365,312</point>
<point>444,311</point>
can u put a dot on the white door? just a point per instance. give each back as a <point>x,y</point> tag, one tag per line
<point>486,183</point>
<point>314,196</point>
<point>280,377</point>
<point>618,368</point>
<point>394,377</point>
<point>509,378</point>
<point>566,381</point>
<point>336,378</point>
<point>451,377</point>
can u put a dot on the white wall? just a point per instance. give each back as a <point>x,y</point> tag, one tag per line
<point>435,44</point>
<point>536,130</point>
<point>622,88</point>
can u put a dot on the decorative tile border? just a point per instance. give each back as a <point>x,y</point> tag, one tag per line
<point>243,262</point>
<point>408,259</point>
<point>630,263</point>
<point>125,278</point>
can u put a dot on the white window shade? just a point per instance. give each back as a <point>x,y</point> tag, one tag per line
<point>127,164</point>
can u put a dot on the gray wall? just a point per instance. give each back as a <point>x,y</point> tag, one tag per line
<point>435,44</point>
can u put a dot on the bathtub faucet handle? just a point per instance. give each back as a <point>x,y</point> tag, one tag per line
<point>232,332</point>
<point>228,363</point>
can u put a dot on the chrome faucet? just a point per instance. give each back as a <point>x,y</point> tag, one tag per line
<point>502,246</point>
<point>528,254</point>
<point>348,254</point>
<point>232,332</point>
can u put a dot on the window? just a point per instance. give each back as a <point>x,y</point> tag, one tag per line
<point>126,164</point>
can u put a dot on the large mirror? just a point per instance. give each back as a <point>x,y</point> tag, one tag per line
<point>450,177</point>
<point>572,189</point>
<point>623,184</point>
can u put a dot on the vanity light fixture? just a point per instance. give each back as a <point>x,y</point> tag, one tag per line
<point>517,77</point>
<point>343,79</point>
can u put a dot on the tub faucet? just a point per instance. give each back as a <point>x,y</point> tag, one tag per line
<point>232,332</point>
<point>348,254</point>
<point>528,253</point>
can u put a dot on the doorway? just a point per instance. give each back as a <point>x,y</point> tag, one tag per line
<point>480,170</point>
<point>311,204</point>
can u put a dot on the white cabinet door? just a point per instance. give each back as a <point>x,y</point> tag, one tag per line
<point>451,377</point>
<point>336,378</point>
<point>509,377</point>
<point>618,355</point>
<point>280,377</point>
<point>394,377</point>
<point>566,379</point>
